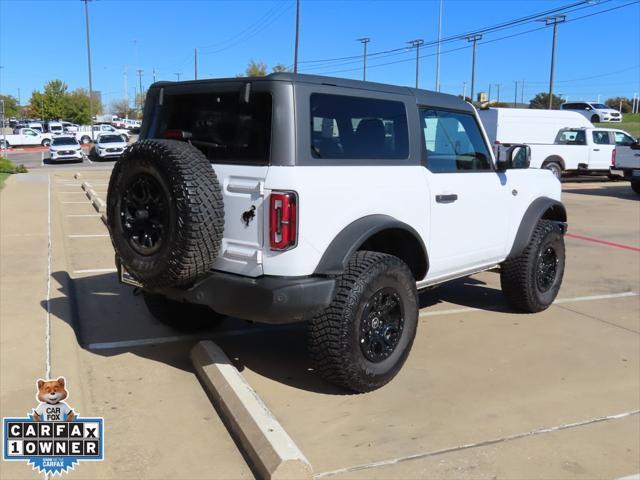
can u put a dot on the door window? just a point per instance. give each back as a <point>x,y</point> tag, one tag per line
<point>453,142</point>
<point>601,138</point>
<point>622,139</point>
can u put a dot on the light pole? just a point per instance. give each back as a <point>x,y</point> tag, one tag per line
<point>177,74</point>
<point>417,43</point>
<point>295,54</point>
<point>364,42</point>
<point>86,18</point>
<point>554,20</point>
<point>498,85</point>
<point>438,47</point>
<point>195,64</point>
<point>4,135</point>
<point>474,39</point>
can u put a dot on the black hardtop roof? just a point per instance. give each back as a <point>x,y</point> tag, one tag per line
<point>423,97</point>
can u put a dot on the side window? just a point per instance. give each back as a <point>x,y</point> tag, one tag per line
<point>623,139</point>
<point>30,133</point>
<point>453,142</point>
<point>601,138</point>
<point>344,127</point>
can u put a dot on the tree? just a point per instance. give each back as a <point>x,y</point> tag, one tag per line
<point>77,107</point>
<point>616,101</point>
<point>279,67</point>
<point>11,107</point>
<point>254,69</point>
<point>121,108</point>
<point>541,101</point>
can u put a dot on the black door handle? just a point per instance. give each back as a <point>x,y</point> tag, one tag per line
<point>446,198</point>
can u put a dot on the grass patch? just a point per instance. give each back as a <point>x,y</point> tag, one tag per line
<point>630,124</point>
<point>7,167</point>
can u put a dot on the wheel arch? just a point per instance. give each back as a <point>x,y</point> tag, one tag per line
<point>380,233</point>
<point>541,208</point>
<point>554,158</point>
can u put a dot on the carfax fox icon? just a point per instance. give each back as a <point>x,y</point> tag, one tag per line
<point>53,438</point>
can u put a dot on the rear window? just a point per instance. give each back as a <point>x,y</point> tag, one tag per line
<point>344,127</point>
<point>571,137</point>
<point>224,128</point>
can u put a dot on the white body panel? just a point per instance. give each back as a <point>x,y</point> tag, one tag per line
<point>530,126</point>
<point>474,233</point>
<point>627,158</point>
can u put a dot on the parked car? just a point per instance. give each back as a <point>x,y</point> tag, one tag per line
<point>69,127</point>
<point>291,198</point>
<point>25,137</point>
<point>627,163</point>
<point>85,136</point>
<point>109,145</point>
<point>64,148</point>
<point>36,126</point>
<point>595,112</point>
<point>576,150</point>
<point>54,128</point>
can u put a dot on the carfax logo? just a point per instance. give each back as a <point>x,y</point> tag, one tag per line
<point>53,438</point>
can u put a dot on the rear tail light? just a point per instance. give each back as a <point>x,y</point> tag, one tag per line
<point>613,158</point>
<point>177,135</point>
<point>283,220</point>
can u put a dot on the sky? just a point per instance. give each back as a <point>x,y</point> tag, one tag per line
<point>596,56</point>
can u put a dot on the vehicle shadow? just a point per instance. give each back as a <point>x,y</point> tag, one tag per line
<point>621,190</point>
<point>109,320</point>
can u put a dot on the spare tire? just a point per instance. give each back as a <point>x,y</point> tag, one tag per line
<point>165,213</point>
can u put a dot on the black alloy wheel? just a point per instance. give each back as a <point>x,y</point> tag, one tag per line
<point>144,214</point>
<point>546,269</point>
<point>381,325</point>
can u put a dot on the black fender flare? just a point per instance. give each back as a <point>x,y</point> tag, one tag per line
<point>336,257</point>
<point>541,207</point>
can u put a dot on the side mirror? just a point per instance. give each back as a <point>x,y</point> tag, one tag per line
<point>635,146</point>
<point>517,156</point>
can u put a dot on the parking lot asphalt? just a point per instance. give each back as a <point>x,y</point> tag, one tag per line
<point>486,392</point>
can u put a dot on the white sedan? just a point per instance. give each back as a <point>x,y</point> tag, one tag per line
<point>65,148</point>
<point>109,146</point>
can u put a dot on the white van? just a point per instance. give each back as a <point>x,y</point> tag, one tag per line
<point>530,126</point>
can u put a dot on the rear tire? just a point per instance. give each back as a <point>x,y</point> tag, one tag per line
<point>186,317</point>
<point>85,140</point>
<point>46,142</point>
<point>635,186</point>
<point>555,168</point>
<point>363,338</point>
<point>531,281</point>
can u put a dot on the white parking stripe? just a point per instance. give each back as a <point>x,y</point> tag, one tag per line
<point>89,236</point>
<point>493,441</point>
<point>97,270</point>
<point>182,338</point>
<point>84,215</point>
<point>558,301</point>
<point>76,202</point>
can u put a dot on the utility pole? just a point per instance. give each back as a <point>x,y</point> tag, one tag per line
<point>295,55</point>
<point>417,43</point>
<point>489,94</point>
<point>522,92</point>
<point>126,91</point>
<point>140,82</point>
<point>195,63</point>
<point>154,75</point>
<point>553,20</point>
<point>19,102</point>
<point>86,19</point>
<point>515,98</point>
<point>438,47</point>
<point>498,96</point>
<point>364,42</point>
<point>177,74</point>
<point>464,90</point>
<point>474,39</point>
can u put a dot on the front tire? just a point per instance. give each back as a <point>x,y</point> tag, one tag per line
<point>595,119</point>
<point>46,142</point>
<point>531,281</point>
<point>363,338</point>
<point>85,140</point>
<point>186,317</point>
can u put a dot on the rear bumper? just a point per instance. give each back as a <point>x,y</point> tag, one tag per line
<point>274,300</point>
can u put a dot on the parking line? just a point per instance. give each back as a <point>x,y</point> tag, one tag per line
<point>494,441</point>
<point>603,242</point>
<point>73,192</point>
<point>607,296</point>
<point>97,270</point>
<point>74,202</point>
<point>89,236</point>
<point>84,215</point>
<point>182,338</point>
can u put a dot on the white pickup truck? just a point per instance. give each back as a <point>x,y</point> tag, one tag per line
<point>25,136</point>
<point>627,164</point>
<point>577,149</point>
<point>85,136</point>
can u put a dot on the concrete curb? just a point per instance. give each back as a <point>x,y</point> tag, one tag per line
<point>77,175</point>
<point>271,451</point>
<point>99,204</point>
<point>103,217</point>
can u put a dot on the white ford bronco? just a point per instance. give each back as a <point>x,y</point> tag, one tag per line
<point>291,198</point>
